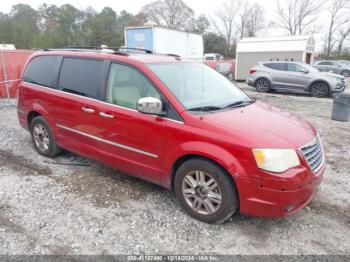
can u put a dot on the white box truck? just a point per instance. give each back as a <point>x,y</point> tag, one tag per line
<point>165,41</point>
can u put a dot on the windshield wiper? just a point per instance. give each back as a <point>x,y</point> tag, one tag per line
<point>205,108</point>
<point>240,104</point>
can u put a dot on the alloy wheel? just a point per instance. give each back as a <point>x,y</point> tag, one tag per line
<point>201,192</point>
<point>319,90</point>
<point>41,137</point>
<point>262,85</point>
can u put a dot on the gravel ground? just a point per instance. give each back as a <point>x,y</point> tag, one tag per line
<point>48,208</point>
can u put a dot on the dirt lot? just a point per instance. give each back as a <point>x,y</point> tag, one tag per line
<point>47,208</point>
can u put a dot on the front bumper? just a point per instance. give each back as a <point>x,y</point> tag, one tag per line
<point>273,198</point>
<point>338,89</point>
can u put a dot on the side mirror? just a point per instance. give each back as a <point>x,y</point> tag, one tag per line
<point>304,71</point>
<point>150,105</point>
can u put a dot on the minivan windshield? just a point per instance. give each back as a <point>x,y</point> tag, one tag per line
<point>199,87</point>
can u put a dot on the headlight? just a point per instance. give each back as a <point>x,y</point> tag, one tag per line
<point>276,160</point>
<point>336,80</point>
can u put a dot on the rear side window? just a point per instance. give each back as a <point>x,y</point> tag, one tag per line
<point>325,63</point>
<point>41,70</point>
<point>276,66</point>
<point>81,76</point>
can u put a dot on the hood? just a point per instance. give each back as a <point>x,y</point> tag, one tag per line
<point>264,126</point>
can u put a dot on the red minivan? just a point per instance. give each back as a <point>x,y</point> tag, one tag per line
<point>176,123</point>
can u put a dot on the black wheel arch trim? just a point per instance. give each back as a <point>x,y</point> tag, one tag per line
<point>263,77</point>
<point>316,81</point>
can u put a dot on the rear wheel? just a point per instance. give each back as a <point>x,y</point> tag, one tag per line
<point>319,89</point>
<point>205,191</point>
<point>43,141</point>
<point>262,85</point>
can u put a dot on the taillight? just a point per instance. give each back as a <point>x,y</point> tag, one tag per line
<point>252,71</point>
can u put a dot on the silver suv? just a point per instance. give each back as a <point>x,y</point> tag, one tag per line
<point>295,77</point>
<point>337,67</point>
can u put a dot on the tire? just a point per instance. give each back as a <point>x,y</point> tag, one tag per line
<point>202,200</point>
<point>43,140</point>
<point>319,89</point>
<point>345,73</point>
<point>262,85</point>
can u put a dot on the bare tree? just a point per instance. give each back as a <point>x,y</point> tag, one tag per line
<point>173,14</point>
<point>298,16</point>
<point>256,21</point>
<point>244,15</point>
<point>224,21</point>
<point>344,34</point>
<point>336,20</point>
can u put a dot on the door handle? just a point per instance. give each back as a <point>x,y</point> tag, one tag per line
<point>88,110</point>
<point>105,115</point>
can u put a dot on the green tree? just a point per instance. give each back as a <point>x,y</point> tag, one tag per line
<point>22,26</point>
<point>214,43</point>
<point>101,29</point>
<point>5,28</point>
<point>49,27</point>
<point>70,21</point>
<point>201,24</point>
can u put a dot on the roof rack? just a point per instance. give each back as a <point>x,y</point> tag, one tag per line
<point>123,51</point>
<point>174,55</point>
<point>90,49</point>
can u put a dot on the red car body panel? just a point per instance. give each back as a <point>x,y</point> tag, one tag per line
<point>149,146</point>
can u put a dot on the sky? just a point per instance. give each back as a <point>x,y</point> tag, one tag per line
<point>133,6</point>
<point>206,7</point>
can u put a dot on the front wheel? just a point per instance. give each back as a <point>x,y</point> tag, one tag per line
<point>319,89</point>
<point>205,191</point>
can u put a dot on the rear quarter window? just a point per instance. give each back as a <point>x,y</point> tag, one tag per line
<point>81,76</point>
<point>41,70</point>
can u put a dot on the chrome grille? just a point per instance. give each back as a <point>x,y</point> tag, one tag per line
<point>313,154</point>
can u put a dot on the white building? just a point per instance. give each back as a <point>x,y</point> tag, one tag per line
<point>250,51</point>
<point>7,47</point>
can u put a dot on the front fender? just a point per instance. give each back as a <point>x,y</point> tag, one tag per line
<point>206,150</point>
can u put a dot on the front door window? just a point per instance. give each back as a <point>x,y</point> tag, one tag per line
<point>126,86</point>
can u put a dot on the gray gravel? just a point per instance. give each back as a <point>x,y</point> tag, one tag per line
<point>47,208</point>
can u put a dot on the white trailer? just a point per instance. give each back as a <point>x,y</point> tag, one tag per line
<point>165,41</point>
